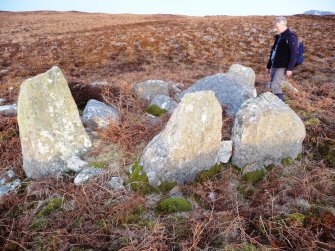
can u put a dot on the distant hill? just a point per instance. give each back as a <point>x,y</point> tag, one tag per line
<point>318,13</point>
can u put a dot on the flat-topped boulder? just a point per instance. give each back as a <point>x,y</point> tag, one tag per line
<point>51,131</point>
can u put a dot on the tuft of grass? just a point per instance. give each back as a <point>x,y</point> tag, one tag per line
<point>254,177</point>
<point>139,180</point>
<point>297,218</point>
<point>100,164</point>
<point>155,110</point>
<point>39,224</point>
<point>172,205</point>
<point>287,161</point>
<point>52,206</point>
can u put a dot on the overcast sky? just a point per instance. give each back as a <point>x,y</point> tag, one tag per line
<point>186,7</point>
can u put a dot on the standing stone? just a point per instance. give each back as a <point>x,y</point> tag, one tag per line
<point>149,89</point>
<point>231,89</point>
<point>51,131</point>
<point>265,131</point>
<point>99,115</point>
<point>189,143</point>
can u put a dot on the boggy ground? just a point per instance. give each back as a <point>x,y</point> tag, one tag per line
<point>290,206</point>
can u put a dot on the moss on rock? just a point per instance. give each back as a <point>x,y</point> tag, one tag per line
<point>139,179</point>
<point>287,161</point>
<point>175,204</point>
<point>166,186</point>
<point>208,174</point>
<point>52,205</point>
<point>296,218</point>
<point>155,110</point>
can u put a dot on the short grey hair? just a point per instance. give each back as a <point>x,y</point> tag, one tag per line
<point>281,20</point>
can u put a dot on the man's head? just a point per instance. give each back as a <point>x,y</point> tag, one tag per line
<point>280,24</point>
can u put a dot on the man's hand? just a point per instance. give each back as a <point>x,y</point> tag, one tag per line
<point>267,71</point>
<point>289,73</point>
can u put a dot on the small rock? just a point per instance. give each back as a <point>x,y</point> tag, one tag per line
<point>8,110</point>
<point>211,196</point>
<point>99,115</point>
<point>10,174</point>
<point>6,188</point>
<point>225,152</point>
<point>164,102</point>
<point>75,164</point>
<point>2,101</point>
<point>86,175</point>
<point>149,89</point>
<point>116,183</point>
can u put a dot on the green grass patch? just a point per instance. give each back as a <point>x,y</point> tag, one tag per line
<point>139,180</point>
<point>255,176</point>
<point>172,205</point>
<point>52,205</point>
<point>287,161</point>
<point>155,110</point>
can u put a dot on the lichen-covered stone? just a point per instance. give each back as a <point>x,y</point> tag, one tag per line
<point>51,131</point>
<point>266,131</point>
<point>189,143</point>
<point>99,115</point>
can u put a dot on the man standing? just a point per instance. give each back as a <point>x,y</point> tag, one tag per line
<point>283,56</point>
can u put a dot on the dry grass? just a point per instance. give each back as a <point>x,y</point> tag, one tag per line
<point>124,49</point>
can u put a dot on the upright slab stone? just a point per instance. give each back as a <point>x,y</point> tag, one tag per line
<point>189,143</point>
<point>265,131</point>
<point>51,131</point>
<point>231,89</point>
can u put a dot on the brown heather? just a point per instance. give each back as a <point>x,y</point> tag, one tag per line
<point>290,208</point>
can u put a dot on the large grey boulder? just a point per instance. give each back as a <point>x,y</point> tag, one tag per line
<point>188,144</point>
<point>149,89</point>
<point>99,115</point>
<point>265,131</point>
<point>231,89</point>
<point>51,131</point>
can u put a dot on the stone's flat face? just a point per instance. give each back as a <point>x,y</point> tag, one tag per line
<point>231,89</point>
<point>225,151</point>
<point>50,127</point>
<point>188,144</point>
<point>99,115</point>
<point>246,75</point>
<point>149,89</point>
<point>265,131</point>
